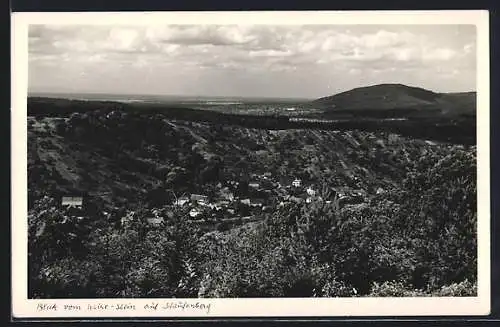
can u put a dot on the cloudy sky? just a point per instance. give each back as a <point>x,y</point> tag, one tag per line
<point>305,61</point>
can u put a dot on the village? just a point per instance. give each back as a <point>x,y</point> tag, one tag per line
<point>240,202</point>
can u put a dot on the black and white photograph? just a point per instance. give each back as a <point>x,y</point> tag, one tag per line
<point>252,160</point>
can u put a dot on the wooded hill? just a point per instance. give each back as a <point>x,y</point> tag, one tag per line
<point>397,100</point>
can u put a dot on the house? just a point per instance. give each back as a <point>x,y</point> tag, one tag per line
<point>245,201</point>
<point>393,138</point>
<point>201,199</point>
<point>226,194</point>
<point>257,202</point>
<point>341,192</point>
<point>215,206</point>
<point>297,182</point>
<point>295,199</point>
<point>155,221</point>
<point>181,201</point>
<point>223,203</point>
<point>128,218</point>
<point>72,202</point>
<point>254,185</point>
<point>359,193</point>
<point>310,191</point>
<point>194,213</point>
<point>380,191</point>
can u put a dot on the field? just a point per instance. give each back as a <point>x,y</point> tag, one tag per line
<point>326,205</point>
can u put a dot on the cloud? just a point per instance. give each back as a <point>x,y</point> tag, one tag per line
<point>194,52</point>
<point>205,35</point>
<point>259,42</point>
<point>270,53</point>
<point>440,54</point>
<point>469,48</point>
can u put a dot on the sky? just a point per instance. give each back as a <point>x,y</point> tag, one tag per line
<point>292,61</point>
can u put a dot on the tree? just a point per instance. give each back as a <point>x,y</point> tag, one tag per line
<point>53,235</point>
<point>440,210</point>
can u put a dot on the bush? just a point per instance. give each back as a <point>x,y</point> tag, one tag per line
<point>465,288</point>
<point>439,212</point>
<point>393,289</point>
<point>67,278</point>
<point>399,289</point>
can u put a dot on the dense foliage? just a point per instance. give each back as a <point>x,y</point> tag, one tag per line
<point>416,238</point>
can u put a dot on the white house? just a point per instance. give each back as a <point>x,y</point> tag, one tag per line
<point>128,218</point>
<point>155,221</point>
<point>296,199</point>
<point>201,199</point>
<point>254,185</point>
<point>226,194</point>
<point>194,213</point>
<point>342,195</point>
<point>297,182</point>
<point>257,202</point>
<point>181,201</point>
<point>310,191</point>
<point>245,201</point>
<point>72,201</point>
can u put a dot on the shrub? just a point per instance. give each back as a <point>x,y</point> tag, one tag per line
<point>67,278</point>
<point>399,289</point>
<point>393,289</point>
<point>464,288</point>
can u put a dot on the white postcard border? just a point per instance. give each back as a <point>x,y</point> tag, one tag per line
<point>22,307</point>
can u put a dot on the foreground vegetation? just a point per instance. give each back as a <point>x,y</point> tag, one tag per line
<point>417,238</point>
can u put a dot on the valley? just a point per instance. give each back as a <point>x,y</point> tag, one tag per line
<point>220,204</point>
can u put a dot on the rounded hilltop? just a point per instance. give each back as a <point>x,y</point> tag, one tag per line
<point>396,96</point>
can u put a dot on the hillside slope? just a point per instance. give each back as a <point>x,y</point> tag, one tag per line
<point>401,98</point>
<point>128,157</point>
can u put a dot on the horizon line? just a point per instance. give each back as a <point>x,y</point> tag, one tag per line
<point>34,92</point>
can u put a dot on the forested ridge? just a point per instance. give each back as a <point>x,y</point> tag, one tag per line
<point>390,216</point>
